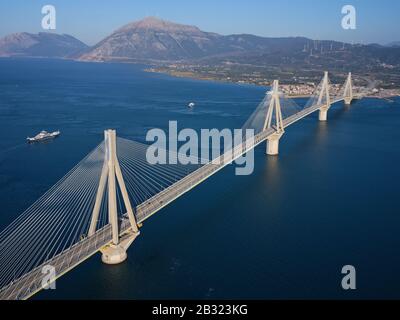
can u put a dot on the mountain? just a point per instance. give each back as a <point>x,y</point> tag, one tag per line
<point>395,44</point>
<point>156,39</point>
<point>43,44</point>
<point>153,39</point>
<point>192,50</point>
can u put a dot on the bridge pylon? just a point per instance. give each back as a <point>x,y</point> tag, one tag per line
<point>274,120</point>
<point>324,93</point>
<point>111,176</point>
<point>348,90</point>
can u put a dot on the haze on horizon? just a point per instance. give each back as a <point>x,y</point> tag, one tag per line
<point>91,20</point>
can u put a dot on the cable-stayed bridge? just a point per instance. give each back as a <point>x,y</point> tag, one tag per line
<point>102,202</point>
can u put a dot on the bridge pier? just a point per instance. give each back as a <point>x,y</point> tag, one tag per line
<point>324,95</point>
<point>273,144</point>
<point>323,114</point>
<point>111,175</point>
<point>116,253</point>
<point>113,254</point>
<point>274,120</point>
<point>348,100</point>
<point>348,90</point>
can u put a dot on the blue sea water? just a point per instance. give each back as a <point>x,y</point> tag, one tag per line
<point>331,198</point>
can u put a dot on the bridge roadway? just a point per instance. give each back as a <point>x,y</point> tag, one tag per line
<point>31,283</point>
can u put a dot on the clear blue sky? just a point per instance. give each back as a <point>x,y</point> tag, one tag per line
<point>91,20</point>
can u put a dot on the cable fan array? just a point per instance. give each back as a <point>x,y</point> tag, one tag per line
<point>54,222</point>
<point>144,180</point>
<point>61,217</point>
<point>257,119</point>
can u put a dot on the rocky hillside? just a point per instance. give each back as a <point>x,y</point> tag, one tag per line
<point>160,40</point>
<point>152,38</point>
<point>156,39</point>
<point>43,44</point>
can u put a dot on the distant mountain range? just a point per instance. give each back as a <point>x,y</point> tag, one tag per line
<point>395,44</point>
<point>153,39</point>
<point>41,45</point>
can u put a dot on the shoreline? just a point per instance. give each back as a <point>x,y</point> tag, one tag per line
<point>193,76</point>
<point>153,68</point>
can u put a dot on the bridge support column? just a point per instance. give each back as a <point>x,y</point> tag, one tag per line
<point>274,120</point>
<point>323,114</point>
<point>324,94</point>
<point>347,101</point>
<point>115,252</point>
<point>273,144</point>
<point>348,90</point>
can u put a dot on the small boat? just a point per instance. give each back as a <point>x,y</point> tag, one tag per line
<point>43,135</point>
<point>191,105</point>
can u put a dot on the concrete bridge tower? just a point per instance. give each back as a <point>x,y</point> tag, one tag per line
<point>274,120</point>
<point>116,251</point>
<point>324,94</point>
<point>348,90</point>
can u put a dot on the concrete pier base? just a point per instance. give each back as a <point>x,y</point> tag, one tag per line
<point>116,253</point>
<point>323,114</point>
<point>113,254</point>
<point>273,144</point>
<point>347,101</point>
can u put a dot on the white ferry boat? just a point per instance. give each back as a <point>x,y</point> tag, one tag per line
<point>43,135</point>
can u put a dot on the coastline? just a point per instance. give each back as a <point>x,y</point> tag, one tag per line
<point>196,76</point>
<point>153,67</point>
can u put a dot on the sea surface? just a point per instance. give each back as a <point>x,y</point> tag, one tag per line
<point>331,197</point>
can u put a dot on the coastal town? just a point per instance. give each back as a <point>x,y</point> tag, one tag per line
<point>293,86</point>
<point>306,90</point>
